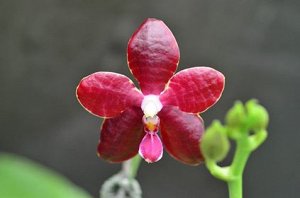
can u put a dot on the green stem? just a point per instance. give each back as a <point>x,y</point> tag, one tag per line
<point>245,145</point>
<point>233,174</point>
<point>236,188</point>
<point>130,167</point>
<point>241,156</point>
<point>242,153</point>
<point>257,139</point>
<point>221,173</point>
<point>135,164</point>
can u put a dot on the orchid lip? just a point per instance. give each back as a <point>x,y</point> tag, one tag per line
<point>151,105</point>
<point>151,148</point>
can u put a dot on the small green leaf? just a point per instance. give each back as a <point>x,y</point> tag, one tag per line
<point>215,144</point>
<point>22,178</point>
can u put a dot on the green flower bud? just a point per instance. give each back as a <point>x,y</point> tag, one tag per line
<point>236,115</point>
<point>258,117</point>
<point>215,144</point>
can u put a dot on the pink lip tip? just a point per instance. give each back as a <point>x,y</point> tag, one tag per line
<point>151,148</point>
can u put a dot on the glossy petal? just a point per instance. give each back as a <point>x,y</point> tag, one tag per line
<point>181,133</point>
<point>120,136</point>
<point>151,148</point>
<point>107,94</point>
<point>194,90</point>
<point>153,56</point>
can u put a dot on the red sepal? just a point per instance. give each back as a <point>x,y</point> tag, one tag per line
<point>181,133</point>
<point>153,56</point>
<point>107,94</point>
<point>194,90</point>
<point>120,136</point>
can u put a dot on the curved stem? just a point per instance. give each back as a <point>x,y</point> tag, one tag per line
<point>257,139</point>
<point>221,173</point>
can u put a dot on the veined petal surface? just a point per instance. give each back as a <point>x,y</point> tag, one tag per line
<point>120,136</point>
<point>107,94</point>
<point>194,90</point>
<point>181,133</point>
<point>153,56</point>
<point>151,148</point>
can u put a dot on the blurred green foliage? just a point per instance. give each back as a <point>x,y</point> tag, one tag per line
<point>22,178</point>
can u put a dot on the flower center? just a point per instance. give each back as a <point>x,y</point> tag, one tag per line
<point>151,124</point>
<point>151,105</point>
<point>151,148</point>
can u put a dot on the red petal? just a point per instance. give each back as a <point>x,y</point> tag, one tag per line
<point>194,90</point>
<point>151,148</point>
<point>153,56</point>
<point>120,136</point>
<point>107,94</point>
<point>181,133</point>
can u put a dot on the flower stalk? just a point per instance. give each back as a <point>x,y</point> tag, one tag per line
<point>131,166</point>
<point>246,125</point>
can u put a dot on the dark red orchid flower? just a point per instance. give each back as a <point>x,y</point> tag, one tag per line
<point>166,102</point>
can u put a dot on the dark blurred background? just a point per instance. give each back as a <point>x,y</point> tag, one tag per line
<point>47,46</point>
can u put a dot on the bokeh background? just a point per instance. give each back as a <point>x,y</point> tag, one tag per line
<point>47,46</point>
